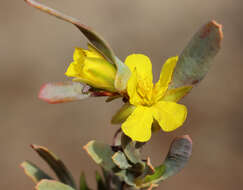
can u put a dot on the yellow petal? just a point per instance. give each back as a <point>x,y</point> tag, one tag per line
<point>176,94</point>
<point>140,84</point>
<point>134,97</point>
<point>165,77</point>
<point>93,52</point>
<point>96,72</point>
<point>123,113</point>
<point>142,64</point>
<point>79,54</point>
<point>169,115</point>
<point>74,70</point>
<point>138,124</point>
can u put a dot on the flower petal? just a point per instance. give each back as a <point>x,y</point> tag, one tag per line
<point>169,115</point>
<point>140,84</point>
<point>74,70</point>
<point>165,77</point>
<point>79,54</point>
<point>138,124</point>
<point>134,97</point>
<point>174,95</point>
<point>142,64</point>
<point>93,52</point>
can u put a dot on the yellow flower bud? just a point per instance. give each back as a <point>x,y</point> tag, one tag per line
<point>90,67</point>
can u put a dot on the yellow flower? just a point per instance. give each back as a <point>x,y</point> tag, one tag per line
<point>152,101</point>
<point>90,67</point>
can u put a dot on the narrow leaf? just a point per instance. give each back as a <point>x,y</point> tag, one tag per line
<point>83,183</point>
<point>123,72</point>
<point>92,36</point>
<point>101,153</point>
<point>56,164</point>
<point>100,183</point>
<point>59,92</point>
<point>35,173</point>
<point>52,185</point>
<point>120,160</point>
<point>196,58</point>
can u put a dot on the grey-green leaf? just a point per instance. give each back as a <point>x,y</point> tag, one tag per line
<point>126,176</point>
<point>178,155</point>
<point>131,150</point>
<point>60,92</point>
<point>56,164</point>
<point>92,36</point>
<point>196,58</point>
<point>101,153</point>
<point>52,185</point>
<point>34,172</point>
<point>120,160</point>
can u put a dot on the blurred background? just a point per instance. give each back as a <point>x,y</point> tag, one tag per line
<point>36,48</point>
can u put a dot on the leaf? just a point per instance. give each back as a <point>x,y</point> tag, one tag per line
<point>100,183</point>
<point>126,176</point>
<point>92,36</point>
<point>131,150</point>
<point>120,160</point>
<point>59,92</point>
<point>178,156</point>
<point>52,185</point>
<point>35,173</point>
<point>123,72</point>
<point>196,58</point>
<point>101,153</point>
<point>83,184</point>
<point>56,164</point>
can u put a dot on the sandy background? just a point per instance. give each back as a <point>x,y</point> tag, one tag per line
<point>36,48</point>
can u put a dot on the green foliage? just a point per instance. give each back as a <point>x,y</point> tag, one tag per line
<point>131,149</point>
<point>35,173</point>
<point>83,185</point>
<point>120,160</point>
<point>177,157</point>
<point>101,154</point>
<point>196,58</point>
<point>100,183</point>
<point>52,185</point>
<point>56,164</point>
